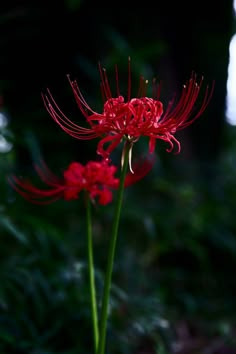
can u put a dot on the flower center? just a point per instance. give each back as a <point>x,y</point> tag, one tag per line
<point>129,117</point>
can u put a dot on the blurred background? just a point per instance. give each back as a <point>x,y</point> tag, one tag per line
<point>174,284</point>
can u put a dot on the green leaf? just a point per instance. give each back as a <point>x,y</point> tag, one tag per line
<point>10,227</point>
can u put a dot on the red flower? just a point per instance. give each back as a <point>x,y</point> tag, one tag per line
<point>134,117</point>
<point>97,178</point>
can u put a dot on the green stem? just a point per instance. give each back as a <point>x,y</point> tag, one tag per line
<point>111,254</point>
<point>91,273</point>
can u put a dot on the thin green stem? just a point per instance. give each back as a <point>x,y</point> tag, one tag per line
<point>111,254</point>
<point>91,273</point>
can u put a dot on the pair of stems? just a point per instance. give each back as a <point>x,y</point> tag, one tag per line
<point>99,332</point>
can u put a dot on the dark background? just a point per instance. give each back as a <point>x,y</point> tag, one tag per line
<point>174,276</point>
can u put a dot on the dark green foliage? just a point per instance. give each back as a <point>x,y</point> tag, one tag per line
<point>174,262</point>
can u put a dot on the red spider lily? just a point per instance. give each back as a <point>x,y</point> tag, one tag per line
<point>97,178</point>
<point>133,118</point>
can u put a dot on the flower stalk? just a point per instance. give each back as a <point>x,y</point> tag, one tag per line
<point>111,252</point>
<point>92,286</point>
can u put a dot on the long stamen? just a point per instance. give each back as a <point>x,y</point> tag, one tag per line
<point>156,89</point>
<point>129,79</point>
<point>140,89</point>
<point>104,84</point>
<point>117,81</point>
